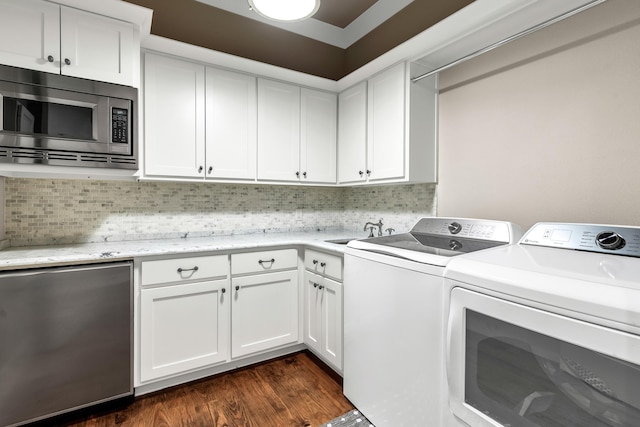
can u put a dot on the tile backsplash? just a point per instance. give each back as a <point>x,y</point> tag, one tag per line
<point>58,211</point>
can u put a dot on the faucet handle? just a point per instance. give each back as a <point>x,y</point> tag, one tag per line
<point>390,230</point>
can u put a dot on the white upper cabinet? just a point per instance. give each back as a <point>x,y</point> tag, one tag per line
<point>387,129</point>
<point>278,131</point>
<point>96,47</point>
<point>231,125</point>
<point>296,134</point>
<point>44,36</point>
<point>318,136</point>
<point>174,117</point>
<point>352,134</point>
<point>386,125</point>
<point>37,23</point>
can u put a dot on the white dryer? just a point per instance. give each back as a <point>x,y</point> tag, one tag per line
<point>546,332</point>
<point>393,316</point>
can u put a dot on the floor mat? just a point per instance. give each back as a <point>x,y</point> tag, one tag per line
<point>350,419</point>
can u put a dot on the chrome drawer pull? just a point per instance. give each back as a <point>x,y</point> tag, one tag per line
<point>182,270</point>
<point>271,261</point>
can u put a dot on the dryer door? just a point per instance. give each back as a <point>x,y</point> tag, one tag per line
<point>512,365</point>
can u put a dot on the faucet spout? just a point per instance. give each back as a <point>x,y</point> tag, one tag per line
<point>371,225</point>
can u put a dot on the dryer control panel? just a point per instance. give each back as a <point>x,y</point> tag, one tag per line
<point>610,239</point>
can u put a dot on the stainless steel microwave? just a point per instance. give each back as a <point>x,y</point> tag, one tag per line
<point>66,121</point>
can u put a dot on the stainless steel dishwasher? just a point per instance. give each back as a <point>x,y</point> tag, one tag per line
<point>65,339</point>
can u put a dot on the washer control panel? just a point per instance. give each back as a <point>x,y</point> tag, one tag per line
<point>497,231</point>
<point>610,239</point>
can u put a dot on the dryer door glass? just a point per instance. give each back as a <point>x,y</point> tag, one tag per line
<point>519,377</point>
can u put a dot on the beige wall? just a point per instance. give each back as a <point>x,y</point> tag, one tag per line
<point>547,128</point>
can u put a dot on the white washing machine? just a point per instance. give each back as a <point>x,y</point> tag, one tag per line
<point>393,316</point>
<point>546,332</point>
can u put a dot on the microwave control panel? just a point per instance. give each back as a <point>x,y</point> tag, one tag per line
<point>120,125</point>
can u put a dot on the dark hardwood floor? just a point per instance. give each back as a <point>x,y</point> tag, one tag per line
<point>291,391</point>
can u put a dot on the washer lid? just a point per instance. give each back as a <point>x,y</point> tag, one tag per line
<point>435,240</point>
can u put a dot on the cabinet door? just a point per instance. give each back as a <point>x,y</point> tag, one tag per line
<point>332,322</point>
<point>318,136</point>
<point>96,47</point>
<point>278,131</point>
<point>323,317</point>
<point>386,124</point>
<point>231,125</point>
<point>264,314</point>
<point>183,327</point>
<point>313,312</point>
<point>352,134</point>
<point>174,117</point>
<point>29,34</point>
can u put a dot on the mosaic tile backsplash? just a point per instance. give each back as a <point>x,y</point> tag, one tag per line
<point>58,211</point>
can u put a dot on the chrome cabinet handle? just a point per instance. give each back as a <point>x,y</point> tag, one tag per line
<point>182,270</point>
<point>50,58</point>
<point>67,61</point>
<point>270,261</point>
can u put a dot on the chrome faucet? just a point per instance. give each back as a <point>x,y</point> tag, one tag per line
<point>371,225</point>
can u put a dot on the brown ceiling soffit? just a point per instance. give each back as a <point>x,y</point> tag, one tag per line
<point>196,23</point>
<point>409,22</point>
<point>202,25</point>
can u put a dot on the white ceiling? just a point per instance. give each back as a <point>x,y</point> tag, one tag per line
<point>318,30</point>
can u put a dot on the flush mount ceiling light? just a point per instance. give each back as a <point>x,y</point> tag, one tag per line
<point>285,10</point>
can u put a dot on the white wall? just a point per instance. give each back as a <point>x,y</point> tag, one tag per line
<point>547,128</point>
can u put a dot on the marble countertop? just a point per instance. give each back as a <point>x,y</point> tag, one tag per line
<point>47,256</point>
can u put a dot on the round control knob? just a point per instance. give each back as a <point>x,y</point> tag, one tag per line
<point>454,245</point>
<point>610,240</point>
<point>454,228</point>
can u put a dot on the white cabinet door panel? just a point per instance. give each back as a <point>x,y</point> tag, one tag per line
<point>264,312</point>
<point>231,125</point>
<point>318,136</point>
<point>352,134</point>
<point>332,322</point>
<point>96,47</point>
<point>183,327</point>
<point>278,131</point>
<point>386,124</point>
<point>29,34</point>
<point>174,117</point>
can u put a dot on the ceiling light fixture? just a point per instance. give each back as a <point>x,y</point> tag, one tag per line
<point>285,10</point>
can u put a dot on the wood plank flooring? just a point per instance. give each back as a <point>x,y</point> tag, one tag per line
<point>291,391</point>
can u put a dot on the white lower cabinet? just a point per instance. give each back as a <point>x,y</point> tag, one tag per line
<point>323,306</point>
<point>264,311</point>
<point>183,327</point>
<point>323,317</point>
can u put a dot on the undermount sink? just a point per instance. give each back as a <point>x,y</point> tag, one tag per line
<point>339,241</point>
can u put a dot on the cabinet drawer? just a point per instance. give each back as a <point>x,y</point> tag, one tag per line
<point>183,269</point>
<point>259,262</point>
<point>321,263</point>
